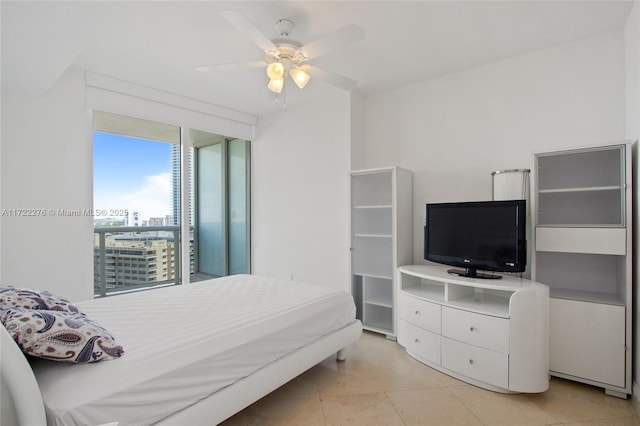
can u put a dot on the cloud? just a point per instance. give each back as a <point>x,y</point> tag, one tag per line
<point>151,198</point>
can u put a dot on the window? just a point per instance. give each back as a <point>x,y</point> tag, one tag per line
<point>138,204</point>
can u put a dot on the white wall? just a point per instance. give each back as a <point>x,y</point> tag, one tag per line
<point>300,205</point>
<point>632,132</point>
<point>47,164</point>
<point>358,132</point>
<point>452,132</point>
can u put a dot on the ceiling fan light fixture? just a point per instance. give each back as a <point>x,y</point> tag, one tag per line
<point>275,71</point>
<point>276,85</point>
<point>285,55</point>
<point>300,77</point>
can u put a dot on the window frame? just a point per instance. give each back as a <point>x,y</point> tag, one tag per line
<point>99,100</point>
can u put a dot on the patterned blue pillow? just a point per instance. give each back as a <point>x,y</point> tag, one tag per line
<point>59,335</point>
<point>11,297</point>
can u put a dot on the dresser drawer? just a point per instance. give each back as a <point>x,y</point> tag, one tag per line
<point>477,329</point>
<point>420,312</point>
<point>420,342</point>
<point>478,363</point>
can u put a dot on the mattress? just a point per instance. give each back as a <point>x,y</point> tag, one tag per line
<point>184,343</point>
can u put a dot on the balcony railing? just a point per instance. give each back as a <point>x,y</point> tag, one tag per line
<point>109,275</point>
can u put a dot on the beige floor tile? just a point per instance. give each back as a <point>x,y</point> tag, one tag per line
<point>380,384</point>
<point>377,343</point>
<point>369,409</point>
<point>351,382</point>
<point>494,408</point>
<point>281,411</point>
<point>304,385</point>
<point>621,421</point>
<point>390,364</point>
<point>413,375</point>
<point>437,407</point>
<point>569,401</point>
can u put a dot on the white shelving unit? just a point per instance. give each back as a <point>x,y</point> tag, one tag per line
<point>491,333</point>
<point>583,238</point>
<point>381,237</point>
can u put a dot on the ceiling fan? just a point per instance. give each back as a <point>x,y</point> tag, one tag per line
<point>284,55</point>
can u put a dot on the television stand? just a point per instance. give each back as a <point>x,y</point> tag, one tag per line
<point>473,273</point>
<point>492,334</point>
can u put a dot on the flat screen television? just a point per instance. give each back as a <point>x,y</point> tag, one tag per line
<point>477,236</point>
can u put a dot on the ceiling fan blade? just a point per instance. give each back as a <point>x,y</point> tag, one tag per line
<point>242,24</point>
<point>339,38</point>
<point>334,79</point>
<point>232,66</point>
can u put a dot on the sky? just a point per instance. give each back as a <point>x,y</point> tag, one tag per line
<point>131,173</point>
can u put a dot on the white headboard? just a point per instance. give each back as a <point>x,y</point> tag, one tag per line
<point>21,400</point>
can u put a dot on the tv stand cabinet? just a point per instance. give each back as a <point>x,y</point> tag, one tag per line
<point>490,333</point>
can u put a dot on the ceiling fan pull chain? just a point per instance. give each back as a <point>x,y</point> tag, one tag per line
<point>284,95</point>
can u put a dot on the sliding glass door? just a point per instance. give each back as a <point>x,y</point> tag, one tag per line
<point>238,201</point>
<point>222,207</point>
<point>138,166</point>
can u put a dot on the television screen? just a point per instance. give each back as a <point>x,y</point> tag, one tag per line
<point>477,235</point>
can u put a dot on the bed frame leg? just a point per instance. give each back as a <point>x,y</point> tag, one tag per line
<point>341,356</point>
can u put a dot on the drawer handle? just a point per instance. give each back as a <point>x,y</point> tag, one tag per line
<point>417,312</point>
<point>416,340</point>
<point>470,361</point>
<point>472,328</point>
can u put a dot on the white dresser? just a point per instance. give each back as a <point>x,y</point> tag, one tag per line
<point>491,333</point>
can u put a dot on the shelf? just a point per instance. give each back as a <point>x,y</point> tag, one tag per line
<point>583,168</point>
<point>381,303</point>
<point>382,330</point>
<point>587,296</point>
<point>487,301</point>
<point>367,275</point>
<point>486,304</point>
<point>588,240</point>
<point>435,293</point>
<point>372,256</point>
<point>582,252</point>
<point>372,189</point>
<point>586,189</point>
<point>380,233</point>
<point>590,277</point>
<point>372,220</point>
<point>378,317</point>
<point>581,225</point>
<point>581,207</point>
<point>383,206</point>
<point>378,291</point>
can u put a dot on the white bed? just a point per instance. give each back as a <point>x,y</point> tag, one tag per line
<point>194,354</point>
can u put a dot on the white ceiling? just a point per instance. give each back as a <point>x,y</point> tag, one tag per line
<point>160,43</point>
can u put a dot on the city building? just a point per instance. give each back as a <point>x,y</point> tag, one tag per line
<point>131,218</point>
<point>134,261</point>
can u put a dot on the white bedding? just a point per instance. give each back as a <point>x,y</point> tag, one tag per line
<point>184,343</point>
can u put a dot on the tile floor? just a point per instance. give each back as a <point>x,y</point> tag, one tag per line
<point>380,384</point>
